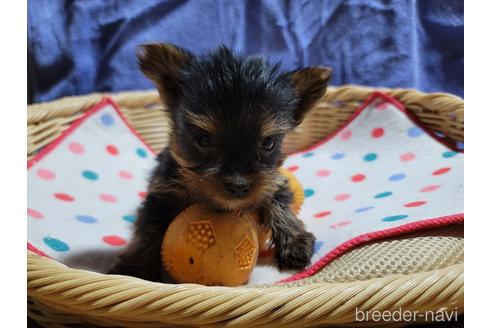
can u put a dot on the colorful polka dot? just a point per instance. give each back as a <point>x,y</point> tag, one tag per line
<point>323,173</point>
<point>108,198</point>
<point>395,218</point>
<point>130,218</point>
<point>377,132</point>
<point>56,244</point>
<point>414,132</point>
<point>308,192</point>
<point>342,197</point>
<point>45,174</point>
<point>407,157</point>
<point>34,214</point>
<point>364,209</point>
<point>76,148</point>
<point>397,177</point>
<point>346,135</point>
<point>306,155</point>
<point>293,168</point>
<point>64,197</point>
<point>142,194</point>
<point>107,119</point>
<point>317,245</point>
<point>90,175</point>
<point>430,188</point>
<point>112,149</point>
<point>340,224</point>
<point>125,175</point>
<point>338,156</point>
<point>322,214</point>
<point>441,171</point>
<point>142,152</point>
<point>86,218</point>
<point>114,240</point>
<point>383,194</point>
<point>358,178</point>
<point>370,157</point>
<point>449,154</point>
<point>416,204</point>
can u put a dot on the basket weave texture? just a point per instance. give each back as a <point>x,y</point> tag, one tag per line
<point>418,272</point>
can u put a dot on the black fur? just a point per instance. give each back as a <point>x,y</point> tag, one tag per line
<point>229,115</point>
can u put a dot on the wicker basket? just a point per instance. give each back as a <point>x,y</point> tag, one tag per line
<point>418,272</point>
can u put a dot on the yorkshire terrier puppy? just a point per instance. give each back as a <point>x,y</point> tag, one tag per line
<point>229,117</point>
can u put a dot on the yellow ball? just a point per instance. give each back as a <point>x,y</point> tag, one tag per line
<point>210,248</point>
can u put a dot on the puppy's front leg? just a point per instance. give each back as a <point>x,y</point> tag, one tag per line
<point>294,246</point>
<point>142,258</point>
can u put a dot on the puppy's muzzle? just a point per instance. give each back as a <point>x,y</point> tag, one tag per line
<point>237,185</point>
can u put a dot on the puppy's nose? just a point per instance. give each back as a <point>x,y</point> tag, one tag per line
<point>238,186</point>
<point>238,190</point>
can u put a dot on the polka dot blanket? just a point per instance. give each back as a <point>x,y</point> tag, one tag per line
<point>378,176</point>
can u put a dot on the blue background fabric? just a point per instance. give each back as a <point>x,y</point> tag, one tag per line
<point>77,47</point>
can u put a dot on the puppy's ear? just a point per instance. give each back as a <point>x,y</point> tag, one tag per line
<point>309,86</point>
<point>162,63</point>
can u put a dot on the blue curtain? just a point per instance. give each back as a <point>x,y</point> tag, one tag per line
<point>77,47</point>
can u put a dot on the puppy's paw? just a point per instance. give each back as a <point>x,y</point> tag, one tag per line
<point>295,252</point>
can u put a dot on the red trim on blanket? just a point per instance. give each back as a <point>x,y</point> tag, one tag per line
<point>35,250</point>
<point>397,104</point>
<point>50,147</point>
<point>371,236</point>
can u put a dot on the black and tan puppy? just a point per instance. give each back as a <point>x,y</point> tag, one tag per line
<point>229,117</point>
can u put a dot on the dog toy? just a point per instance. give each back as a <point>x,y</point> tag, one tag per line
<point>213,248</point>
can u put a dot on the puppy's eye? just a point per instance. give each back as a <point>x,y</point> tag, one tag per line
<point>268,143</point>
<point>204,140</point>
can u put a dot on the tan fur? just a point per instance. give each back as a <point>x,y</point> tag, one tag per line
<point>203,122</point>
<point>273,126</point>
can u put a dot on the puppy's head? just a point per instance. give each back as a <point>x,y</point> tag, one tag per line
<point>230,115</point>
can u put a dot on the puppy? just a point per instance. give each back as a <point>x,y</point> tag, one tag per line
<point>229,117</point>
